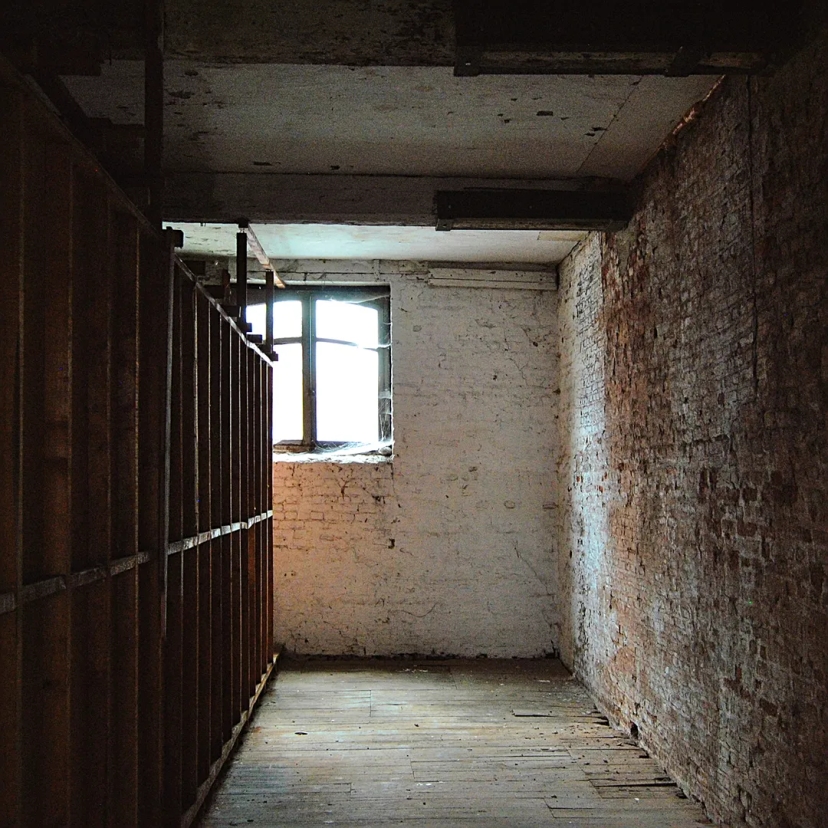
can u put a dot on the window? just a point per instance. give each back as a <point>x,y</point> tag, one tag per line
<point>332,381</point>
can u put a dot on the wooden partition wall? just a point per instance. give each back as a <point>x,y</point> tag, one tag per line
<point>135,519</point>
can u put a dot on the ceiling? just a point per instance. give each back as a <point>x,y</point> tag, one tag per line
<point>314,120</point>
<point>407,121</point>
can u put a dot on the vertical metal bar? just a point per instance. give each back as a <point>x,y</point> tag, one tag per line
<point>271,311</point>
<point>241,277</point>
<point>308,368</point>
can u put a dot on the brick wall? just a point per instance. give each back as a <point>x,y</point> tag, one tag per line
<point>694,526</point>
<point>446,549</point>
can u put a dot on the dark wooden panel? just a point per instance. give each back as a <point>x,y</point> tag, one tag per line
<point>229,696</point>
<point>10,720</point>
<point>189,410</point>
<point>176,486</point>
<point>33,357</point>
<point>56,483</point>
<point>173,691</point>
<point>204,322</point>
<point>154,287</point>
<point>91,345</point>
<point>11,271</point>
<point>90,715</point>
<point>205,661</point>
<point>125,385</point>
<point>150,699</point>
<point>217,330</point>
<point>11,275</point>
<point>45,713</point>
<point>95,240</point>
<point>123,781</point>
<point>236,680</point>
<point>191,701</point>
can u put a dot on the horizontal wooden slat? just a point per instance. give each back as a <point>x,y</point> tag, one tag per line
<point>50,586</point>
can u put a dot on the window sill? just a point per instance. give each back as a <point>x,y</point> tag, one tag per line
<point>330,457</point>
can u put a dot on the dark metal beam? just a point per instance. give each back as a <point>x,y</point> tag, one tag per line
<point>531,209</point>
<point>636,37</point>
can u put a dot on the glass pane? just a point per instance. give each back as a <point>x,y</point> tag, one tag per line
<point>347,400</point>
<point>287,320</point>
<point>351,323</point>
<point>256,317</point>
<point>287,393</point>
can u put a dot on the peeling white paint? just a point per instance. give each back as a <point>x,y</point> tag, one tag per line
<point>446,549</point>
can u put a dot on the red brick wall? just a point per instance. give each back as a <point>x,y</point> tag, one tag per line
<point>694,414</point>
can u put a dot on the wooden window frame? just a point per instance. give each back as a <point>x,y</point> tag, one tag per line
<point>375,296</point>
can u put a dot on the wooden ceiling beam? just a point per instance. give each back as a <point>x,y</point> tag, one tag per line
<point>513,209</point>
<point>662,37</point>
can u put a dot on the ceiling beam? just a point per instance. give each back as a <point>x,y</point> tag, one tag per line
<point>663,37</point>
<point>326,199</point>
<point>516,209</point>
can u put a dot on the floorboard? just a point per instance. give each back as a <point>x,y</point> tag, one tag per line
<point>484,743</point>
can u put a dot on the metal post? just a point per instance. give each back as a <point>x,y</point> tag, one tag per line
<point>241,278</point>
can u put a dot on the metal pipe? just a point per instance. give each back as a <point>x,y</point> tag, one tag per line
<point>241,276</point>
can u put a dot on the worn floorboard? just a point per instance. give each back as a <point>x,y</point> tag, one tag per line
<point>480,743</point>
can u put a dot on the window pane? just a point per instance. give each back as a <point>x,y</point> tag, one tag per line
<point>348,322</point>
<point>287,320</point>
<point>347,405</point>
<point>255,315</point>
<point>287,393</point>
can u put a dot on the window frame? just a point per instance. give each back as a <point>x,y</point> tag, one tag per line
<point>373,296</point>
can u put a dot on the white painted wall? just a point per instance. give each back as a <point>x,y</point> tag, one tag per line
<point>447,548</point>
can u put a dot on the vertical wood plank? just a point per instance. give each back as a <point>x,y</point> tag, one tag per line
<point>204,321</point>
<point>228,450</point>
<point>236,537</point>
<point>125,386</point>
<point>217,329</point>
<point>11,270</point>
<point>90,719</point>
<point>189,409</point>
<point>33,358</point>
<point>123,792</point>
<point>270,569</point>
<point>173,688</point>
<point>176,486</point>
<point>244,510</point>
<point>46,624</point>
<point>154,292</point>
<point>173,641</point>
<point>57,333</point>
<point>92,241</point>
<point>191,702</point>
<point>45,714</point>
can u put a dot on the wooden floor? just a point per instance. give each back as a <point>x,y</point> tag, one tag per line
<point>435,743</point>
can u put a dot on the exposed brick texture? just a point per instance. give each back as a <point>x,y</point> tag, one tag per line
<point>447,549</point>
<point>694,410</point>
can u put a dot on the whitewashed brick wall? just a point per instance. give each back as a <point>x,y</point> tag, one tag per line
<point>446,549</point>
